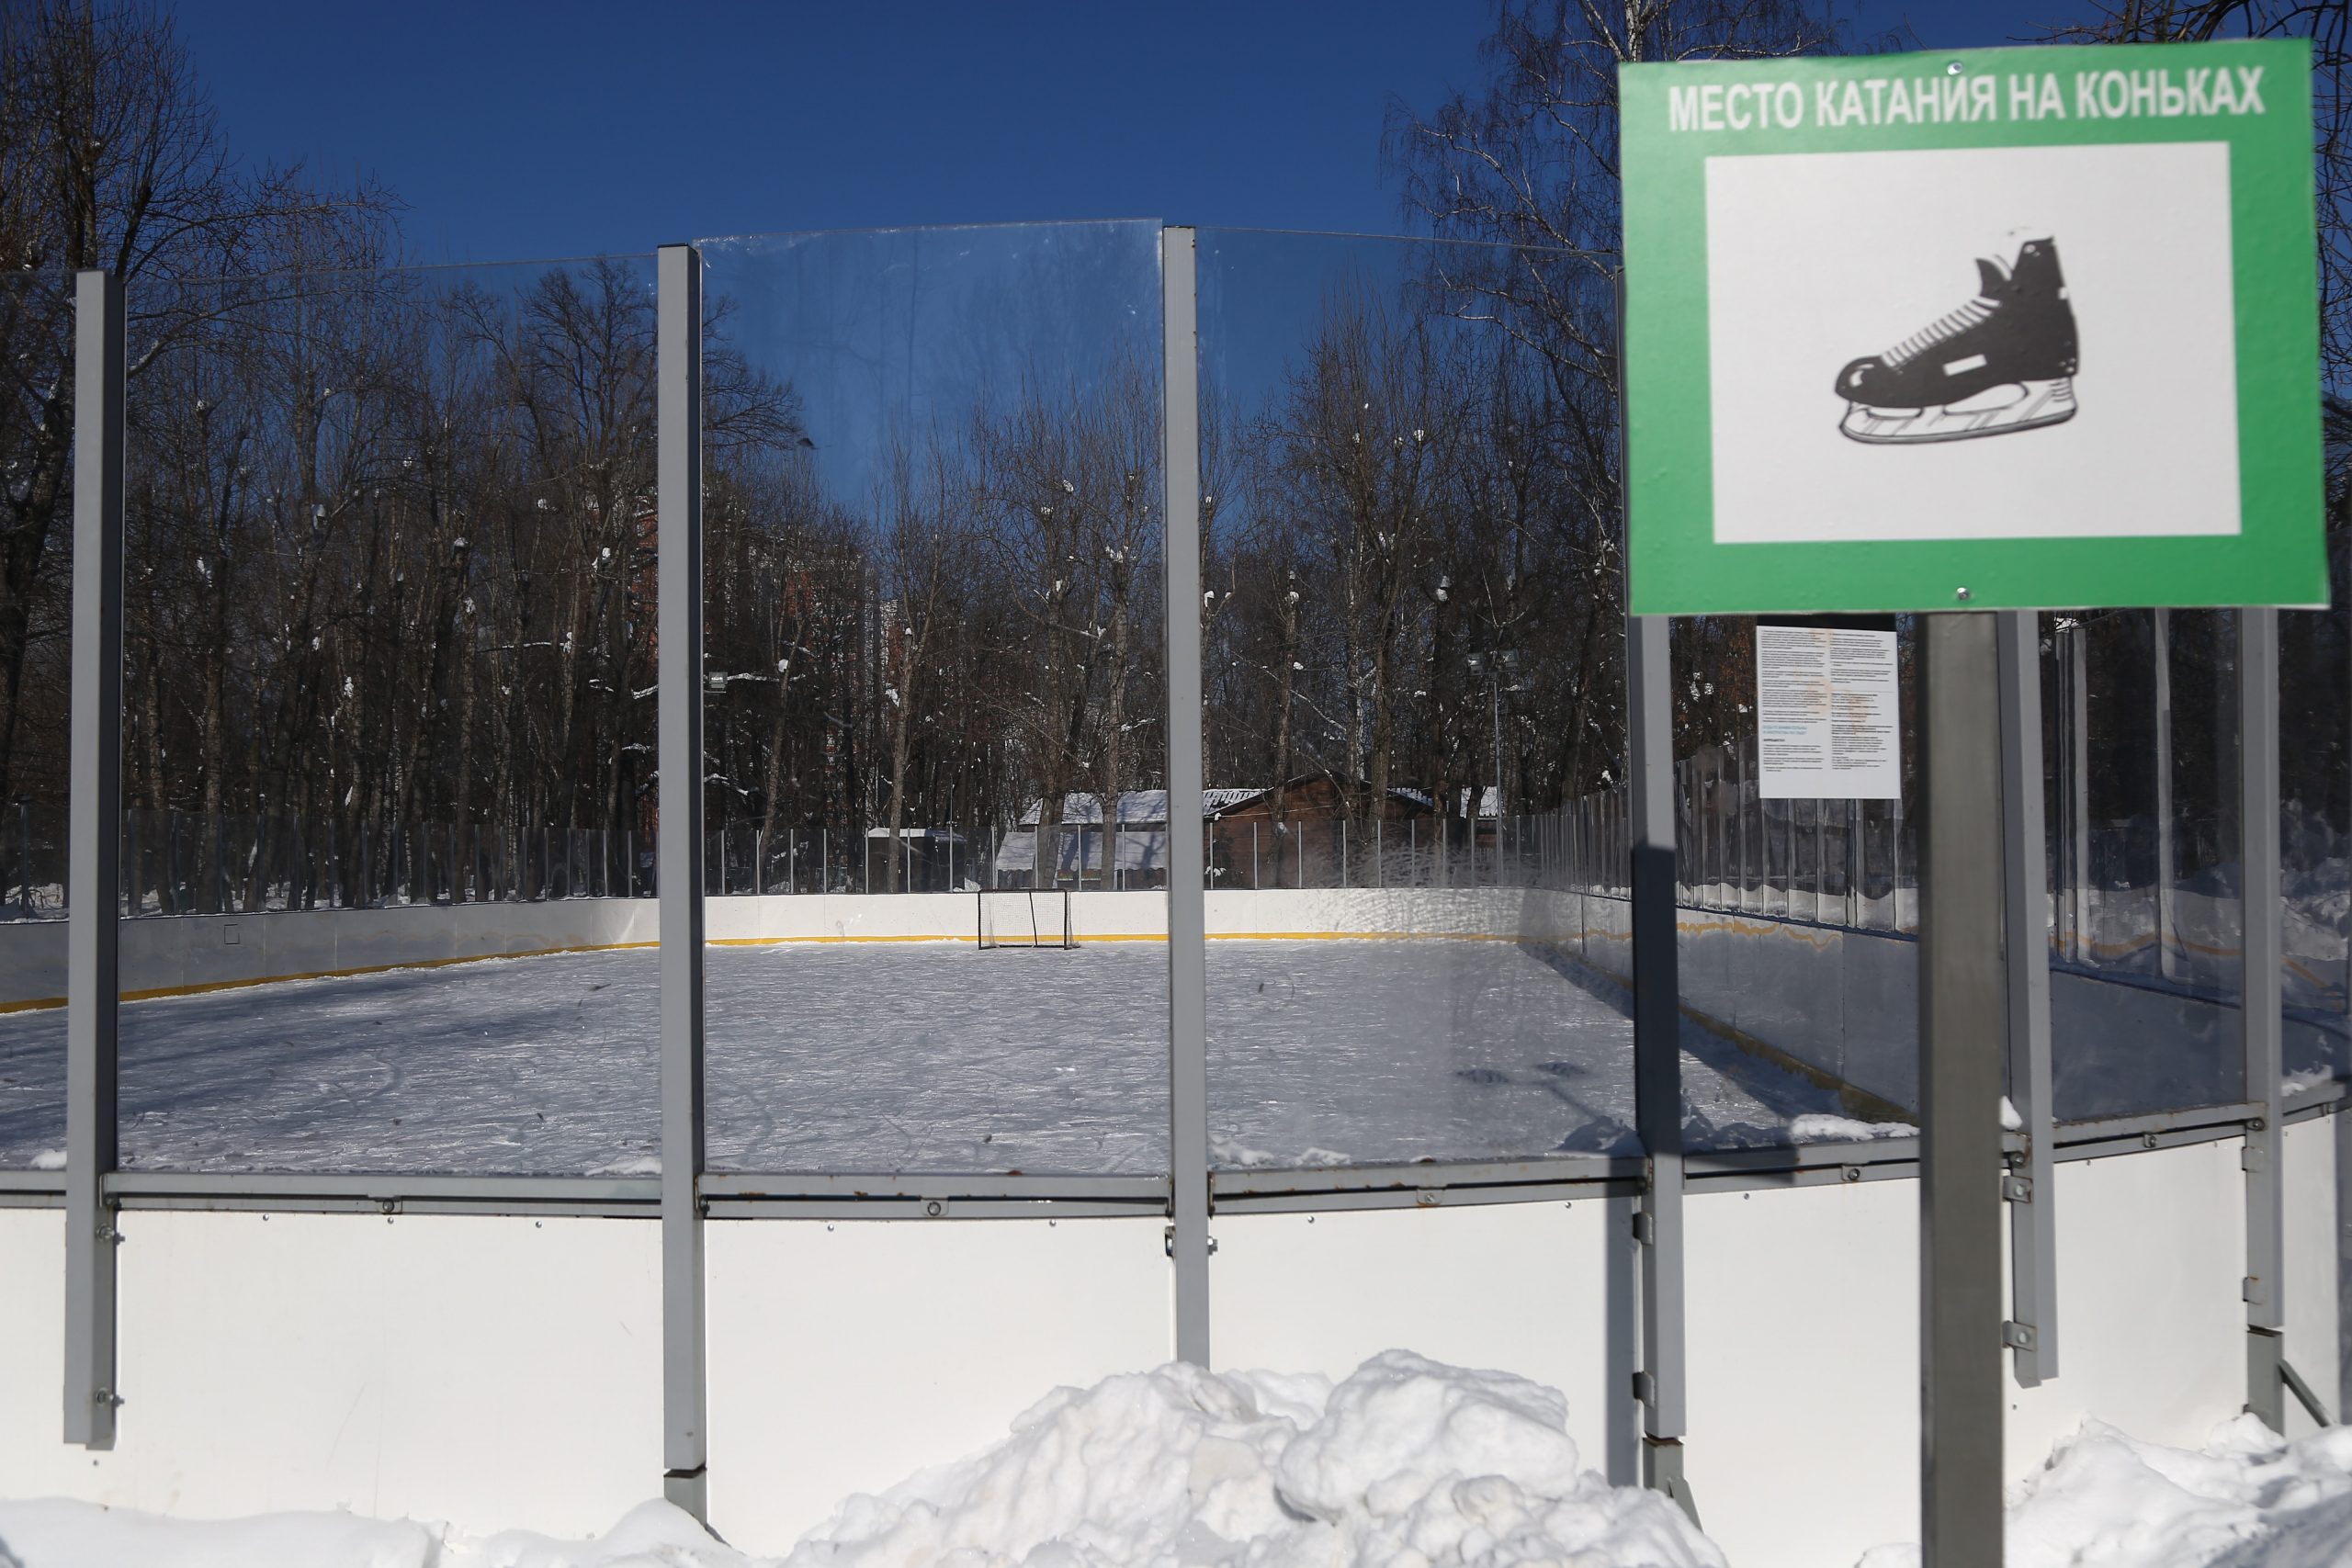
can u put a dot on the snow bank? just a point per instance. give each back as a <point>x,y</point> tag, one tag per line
<point>81,1535</point>
<point>1405,1461</point>
<point>2247,1501</point>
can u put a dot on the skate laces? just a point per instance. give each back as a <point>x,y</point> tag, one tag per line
<point>1947,326</point>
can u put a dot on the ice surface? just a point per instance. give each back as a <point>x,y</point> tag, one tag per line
<point>887,1056</point>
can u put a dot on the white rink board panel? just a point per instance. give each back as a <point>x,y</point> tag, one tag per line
<point>1543,1290</point>
<point>2314,1332</point>
<point>843,1357</point>
<point>32,1358</point>
<point>2150,1322</point>
<point>492,1371</point>
<point>1803,1339</point>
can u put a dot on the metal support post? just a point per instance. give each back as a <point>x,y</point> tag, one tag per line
<point>686,1451</point>
<point>1963,1010</point>
<point>92,985</point>
<point>2265,1299</point>
<point>1188,1087</point>
<point>1854,868</point>
<point>2168,933</point>
<point>2078,788</point>
<point>1657,1058</point>
<point>2033,1330</point>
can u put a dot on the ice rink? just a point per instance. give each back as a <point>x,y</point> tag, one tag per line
<point>877,1057</point>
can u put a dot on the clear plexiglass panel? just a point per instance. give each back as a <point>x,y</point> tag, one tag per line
<point>1798,955</point>
<point>933,650</point>
<point>36,649</point>
<point>2140,725</point>
<point>388,590</point>
<point>1413,676</point>
<point>2315,832</point>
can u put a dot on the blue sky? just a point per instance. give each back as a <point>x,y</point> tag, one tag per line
<point>523,129</point>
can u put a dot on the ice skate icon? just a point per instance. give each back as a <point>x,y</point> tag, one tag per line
<point>2004,361</point>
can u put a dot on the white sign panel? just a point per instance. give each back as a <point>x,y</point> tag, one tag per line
<point>1826,715</point>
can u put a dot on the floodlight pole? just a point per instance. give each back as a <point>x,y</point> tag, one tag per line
<point>1963,1006</point>
<point>678,574</point>
<point>1188,1141</point>
<point>94,871</point>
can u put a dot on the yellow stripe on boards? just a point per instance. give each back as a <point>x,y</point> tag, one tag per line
<point>203,988</point>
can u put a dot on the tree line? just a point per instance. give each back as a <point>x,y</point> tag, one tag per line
<point>391,533</point>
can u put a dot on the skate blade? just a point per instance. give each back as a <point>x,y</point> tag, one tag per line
<point>2018,405</point>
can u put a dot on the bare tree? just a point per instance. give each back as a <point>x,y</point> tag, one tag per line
<point>110,157</point>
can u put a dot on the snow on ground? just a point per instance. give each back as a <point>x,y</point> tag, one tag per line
<point>922,1056</point>
<point>1405,1461</point>
<point>2248,1500</point>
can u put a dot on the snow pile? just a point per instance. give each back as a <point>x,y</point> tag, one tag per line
<point>1405,1461</point>
<point>80,1535</point>
<point>1408,1460</point>
<point>1818,1127</point>
<point>2249,1500</point>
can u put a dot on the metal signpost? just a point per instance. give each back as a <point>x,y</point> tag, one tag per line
<point>2003,329</point>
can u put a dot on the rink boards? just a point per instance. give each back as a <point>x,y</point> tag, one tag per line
<point>503,1370</point>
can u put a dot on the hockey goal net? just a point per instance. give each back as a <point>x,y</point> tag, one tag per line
<point>1022,917</point>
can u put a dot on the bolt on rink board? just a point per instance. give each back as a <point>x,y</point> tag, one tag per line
<point>2012,328</point>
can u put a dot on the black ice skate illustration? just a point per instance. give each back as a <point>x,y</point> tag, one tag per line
<point>2004,361</point>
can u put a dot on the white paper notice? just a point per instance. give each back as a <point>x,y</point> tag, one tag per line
<point>1826,715</point>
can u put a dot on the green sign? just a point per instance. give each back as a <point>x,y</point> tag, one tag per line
<point>1999,328</point>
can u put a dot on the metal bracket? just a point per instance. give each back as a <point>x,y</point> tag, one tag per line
<point>2016,1335</point>
<point>1168,1242</point>
<point>1644,1227</point>
<point>2250,1159</point>
<point>2303,1395</point>
<point>2018,1188</point>
<point>1662,1471</point>
<point>1645,1390</point>
<point>2250,1290</point>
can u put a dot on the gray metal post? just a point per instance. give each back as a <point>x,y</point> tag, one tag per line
<point>2033,1330</point>
<point>678,424</point>
<point>1963,1010</point>
<point>2078,793</point>
<point>1657,1057</point>
<point>93,860</point>
<point>2167,935</point>
<point>2266,1301</point>
<point>1188,1087</point>
<point>1854,810</point>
